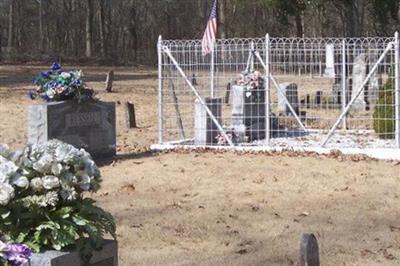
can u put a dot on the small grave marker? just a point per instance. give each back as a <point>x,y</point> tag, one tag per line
<point>109,81</point>
<point>130,117</point>
<point>309,251</point>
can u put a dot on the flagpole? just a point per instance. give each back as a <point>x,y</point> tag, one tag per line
<point>212,69</point>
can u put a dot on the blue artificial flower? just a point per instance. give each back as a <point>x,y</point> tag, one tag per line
<point>51,84</point>
<point>56,67</point>
<point>45,74</point>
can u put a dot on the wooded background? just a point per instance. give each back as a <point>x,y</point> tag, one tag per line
<point>126,31</point>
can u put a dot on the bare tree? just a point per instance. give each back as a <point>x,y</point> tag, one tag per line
<point>89,15</point>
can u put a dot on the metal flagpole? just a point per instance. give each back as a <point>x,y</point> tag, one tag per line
<point>397,87</point>
<point>160,93</point>
<point>212,68</point>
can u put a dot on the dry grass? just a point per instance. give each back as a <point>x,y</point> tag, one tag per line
<point>225,208</point>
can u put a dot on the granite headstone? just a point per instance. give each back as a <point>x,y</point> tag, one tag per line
<point>89,125</point>
<point>106,256</point>
<point>289,89</point>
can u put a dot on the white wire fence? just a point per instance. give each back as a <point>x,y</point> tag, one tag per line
<point>281,92</point>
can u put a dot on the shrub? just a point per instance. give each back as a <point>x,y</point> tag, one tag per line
<point>384,112</point>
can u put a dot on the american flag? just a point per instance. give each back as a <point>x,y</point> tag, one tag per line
<point>211,31</point>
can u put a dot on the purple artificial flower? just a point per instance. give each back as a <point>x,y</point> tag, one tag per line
<point>56,67</point>
<point>18,254</point>
<point>31,95</point>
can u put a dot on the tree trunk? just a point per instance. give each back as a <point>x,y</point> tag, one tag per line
<point>41,35</point>
<point>11,26</point>
<point>101,30</point>
<point>222,19</point>
<point>89,14</point>
<point>299,25</point>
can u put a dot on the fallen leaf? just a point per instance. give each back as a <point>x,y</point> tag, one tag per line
<point>394,228</point>
<point>304,214</point>
<point>241,251</point>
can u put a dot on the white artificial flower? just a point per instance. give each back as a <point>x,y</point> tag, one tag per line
<point>4,150</point>
<point>68,194</point>
<point>67,178</point>
<point>43,165</point>
<point>50,93</point>
<point>6,193</point>
<point>3,250</point>
<point>50,182</point>
<point>21,181</point>
<point>65,75</point>
<point>84,182</point>
<point>56,168</point>
<point>7,169</point>
<point>37,184</point>
<point>51,198</point>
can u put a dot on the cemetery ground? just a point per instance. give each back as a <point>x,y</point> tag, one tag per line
<point>185,208</point>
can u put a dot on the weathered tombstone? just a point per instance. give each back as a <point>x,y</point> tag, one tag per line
<point>228,93</point>
<point>106,256</point>
<point>318,98</point>
<point>358,77</point>
<point>205,130</point>
<point>130,117</point>
<point>248,112</point>
<point>89,125</point>
<point>109,80</point>
<point>308,101</point>
<point>290,91</point>
<point>374,84</point>
<point>309,251</point>
<point>238,101</point>
<point>329,61</point>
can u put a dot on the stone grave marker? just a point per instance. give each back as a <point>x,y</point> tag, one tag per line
<point>205,130</point>
<point>374,84</point>
<point>89,125</point>
<point>289,89</point>
<point>358,77</point>
<point>318,98</point>
<point>309,251</point>
<point>329,61</point>
<point>106,256</point>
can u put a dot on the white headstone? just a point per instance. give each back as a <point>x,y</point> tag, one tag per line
<point>373,87</point>
<point>358,77</point>
<point>238,111</point>
<point>205,130</point>
<point>329,61</point>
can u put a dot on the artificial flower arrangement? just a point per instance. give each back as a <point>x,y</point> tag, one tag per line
<point>42,204</point>
<point>60,85</point>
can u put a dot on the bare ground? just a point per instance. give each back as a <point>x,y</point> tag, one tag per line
<point>226,208</point>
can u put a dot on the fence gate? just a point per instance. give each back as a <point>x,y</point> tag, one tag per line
<point>336,93</point>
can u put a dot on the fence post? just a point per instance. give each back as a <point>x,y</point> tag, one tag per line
<point>344,82</point>
<point>160,93</point>
<point>397,87</point>
<point>267,103</point>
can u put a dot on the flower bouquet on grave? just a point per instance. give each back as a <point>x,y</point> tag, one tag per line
<point>42,203</point>
<point>59,85</point>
